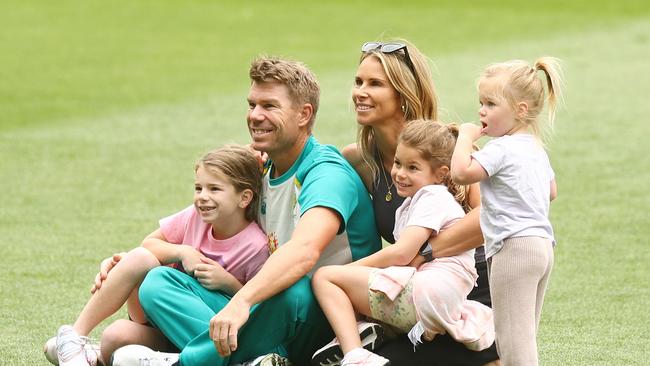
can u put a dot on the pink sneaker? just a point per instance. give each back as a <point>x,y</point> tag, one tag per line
<point>363,357</point>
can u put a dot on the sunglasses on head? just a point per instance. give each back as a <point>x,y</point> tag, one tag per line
<point>389,47</point>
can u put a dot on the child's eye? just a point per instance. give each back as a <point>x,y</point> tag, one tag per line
<point>215,189</point>
<point>197,189</point>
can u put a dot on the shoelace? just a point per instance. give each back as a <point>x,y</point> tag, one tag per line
<point>148,361</point>
<point>70,346</point>
<point>336,362</point>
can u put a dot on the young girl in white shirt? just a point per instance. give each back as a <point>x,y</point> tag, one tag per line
<point>517,185</point>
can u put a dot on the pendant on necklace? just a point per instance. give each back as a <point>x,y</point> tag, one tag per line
<point>388,197</point>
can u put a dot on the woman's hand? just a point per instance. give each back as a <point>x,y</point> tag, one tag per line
<point>213,277</point>
<point>104,267</point>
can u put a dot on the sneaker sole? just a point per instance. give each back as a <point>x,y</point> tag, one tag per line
<point>49,350</point>
<point>274,360</point>
<point>371,338</point>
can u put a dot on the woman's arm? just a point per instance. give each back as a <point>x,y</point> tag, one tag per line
<point>464,235</point>
<point>401,253</point>
<point>462,240</point>
<point>353,156</point>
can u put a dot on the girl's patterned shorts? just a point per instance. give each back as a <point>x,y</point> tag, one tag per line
<point>399,313</point>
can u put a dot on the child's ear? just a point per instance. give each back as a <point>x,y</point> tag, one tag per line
<point>441,173</point>
<point>245,198</point>
<point>522,110</point>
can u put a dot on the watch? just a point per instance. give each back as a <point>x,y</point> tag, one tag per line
<point>426,252</point>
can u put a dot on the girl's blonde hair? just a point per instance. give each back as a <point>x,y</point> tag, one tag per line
<point>241,167</point>
<point>516,81</point>
<point>435,142</point>
<point>414,86</point>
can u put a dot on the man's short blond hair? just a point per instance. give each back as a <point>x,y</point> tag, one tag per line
<point>296,76</point>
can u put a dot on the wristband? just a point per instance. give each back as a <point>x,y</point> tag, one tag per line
<point>426,251</point>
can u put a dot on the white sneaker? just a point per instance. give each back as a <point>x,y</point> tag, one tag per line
<point>49,349</point>
<point>363,357</point>
<point>71,349</point>
<point>372,336</point>
<point>271,359</point>
<point>137,355</point>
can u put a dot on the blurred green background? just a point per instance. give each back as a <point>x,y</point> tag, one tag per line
<point>105,106</point>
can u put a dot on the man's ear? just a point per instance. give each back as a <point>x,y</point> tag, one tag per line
<point>306,112</point>
<point>245,198</point>
<point>522,110</point>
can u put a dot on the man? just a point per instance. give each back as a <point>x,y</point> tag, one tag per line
<point>315,211</point>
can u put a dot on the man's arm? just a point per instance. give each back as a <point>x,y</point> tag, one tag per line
<point>290,262</point>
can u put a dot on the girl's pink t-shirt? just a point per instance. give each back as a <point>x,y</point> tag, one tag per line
<point>241,255</point>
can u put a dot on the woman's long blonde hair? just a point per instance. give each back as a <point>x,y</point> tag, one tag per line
<point>414,87</point>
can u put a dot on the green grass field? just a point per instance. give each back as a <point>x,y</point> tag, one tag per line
<point>104,107</point>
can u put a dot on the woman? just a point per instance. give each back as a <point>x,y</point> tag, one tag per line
<point>393,86</point>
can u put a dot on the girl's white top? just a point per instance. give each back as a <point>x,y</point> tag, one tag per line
<point>515,198</point>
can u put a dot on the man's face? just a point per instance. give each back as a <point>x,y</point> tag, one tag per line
<point>273,119</point>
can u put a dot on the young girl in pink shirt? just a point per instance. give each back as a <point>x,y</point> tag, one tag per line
<point>216,240</point>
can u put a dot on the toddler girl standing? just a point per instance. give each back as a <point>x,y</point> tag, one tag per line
<point>517,185</point>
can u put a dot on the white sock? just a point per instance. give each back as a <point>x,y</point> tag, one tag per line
<point>357,352</point>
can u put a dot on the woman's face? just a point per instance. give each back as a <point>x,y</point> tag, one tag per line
<point>375,99</point>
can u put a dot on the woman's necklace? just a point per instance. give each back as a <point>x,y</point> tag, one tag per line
<point>389,195</point>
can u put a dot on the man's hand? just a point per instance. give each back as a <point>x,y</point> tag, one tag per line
<point>226,324</point>
<point>104,267</point>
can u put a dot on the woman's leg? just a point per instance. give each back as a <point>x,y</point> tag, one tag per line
<point>342,291</point>
<point>120,285</point>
